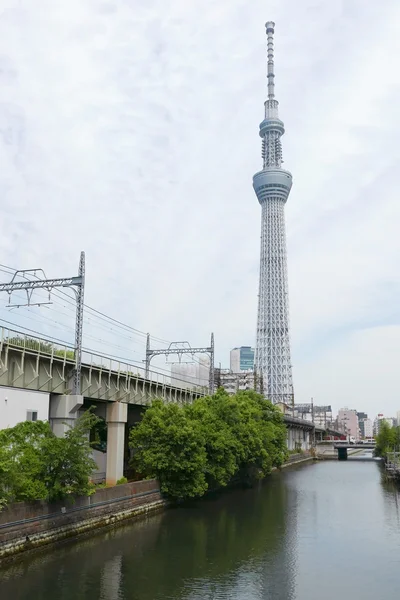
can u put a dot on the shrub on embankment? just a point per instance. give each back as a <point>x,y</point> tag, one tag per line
<point>37,465</point>
<point>387,440</point>
<point>220,438</point>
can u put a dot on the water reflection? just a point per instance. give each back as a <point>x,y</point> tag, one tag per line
<point>111,579</point>
<point>332,526</point>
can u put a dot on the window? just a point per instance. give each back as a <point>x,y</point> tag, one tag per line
<point>31,415</point>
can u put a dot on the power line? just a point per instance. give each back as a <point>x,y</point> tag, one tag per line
<point>87,335</point>
<point>88,319</point>
<point>94,310</point>
<point>101,316</point>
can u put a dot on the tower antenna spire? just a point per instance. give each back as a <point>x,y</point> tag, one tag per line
<point>272,185</point>
<point>270,27</point>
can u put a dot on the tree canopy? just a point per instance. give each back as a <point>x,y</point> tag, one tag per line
<point>37,465</point>
<point>209,443</point>
<point>387,440</point>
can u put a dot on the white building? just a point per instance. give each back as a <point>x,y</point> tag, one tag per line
<point>368,428</point>
<point>235,382</point>
<point>378,422</point>
<point>191,375</point>
<point>22,405</point>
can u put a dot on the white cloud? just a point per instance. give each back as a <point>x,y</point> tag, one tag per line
<point>130,130</point>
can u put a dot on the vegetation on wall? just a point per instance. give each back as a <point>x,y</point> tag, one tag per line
<point>41,347</point>
<point>206,445</point>
<point>37,465</point>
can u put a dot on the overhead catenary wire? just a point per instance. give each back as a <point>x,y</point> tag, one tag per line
<point>101,316</point>
<point>94,310</point>
<point>61,326</point>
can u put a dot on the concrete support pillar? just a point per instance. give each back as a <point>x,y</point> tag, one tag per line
<point>290,443</point>
<point>117,416</point>
<point>63,412</point>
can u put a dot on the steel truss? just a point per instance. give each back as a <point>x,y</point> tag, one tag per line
<point>77,284</point>
<point>181,350</point>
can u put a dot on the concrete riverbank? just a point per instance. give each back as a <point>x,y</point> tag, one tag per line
<point>296,459</point>
<point>26,526</point>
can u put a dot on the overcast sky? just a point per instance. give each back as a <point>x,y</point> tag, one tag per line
<point>129,129</point>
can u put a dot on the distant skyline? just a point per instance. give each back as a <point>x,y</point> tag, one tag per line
<point>130,130</point>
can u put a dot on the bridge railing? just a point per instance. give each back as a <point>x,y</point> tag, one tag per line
<point>122,368</point>
<point>107,363</point>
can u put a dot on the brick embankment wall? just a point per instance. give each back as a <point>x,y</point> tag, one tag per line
<point>25,526</point>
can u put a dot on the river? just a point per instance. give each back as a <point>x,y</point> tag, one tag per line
<point>325,531</point>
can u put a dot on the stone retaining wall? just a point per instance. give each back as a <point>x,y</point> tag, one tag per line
<point>25,526</point>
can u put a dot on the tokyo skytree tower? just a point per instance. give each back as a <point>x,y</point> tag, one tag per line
<point>272,186</point>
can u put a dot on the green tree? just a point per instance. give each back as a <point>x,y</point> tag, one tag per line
<point>68,462</point>
<point>260,434</point>
<point>35,464</point>
<point>387,439</point>
<point>168,445</point>
<point>22,472</point>
<point>7,473</point>
<point>220,444</point>
<point>218,438</point>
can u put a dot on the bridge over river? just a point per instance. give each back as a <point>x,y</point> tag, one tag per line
<point>343,447</point>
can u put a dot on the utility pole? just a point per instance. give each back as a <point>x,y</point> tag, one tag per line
<point>212,372</point>
<point>80,293</point>
<point>292,388</point>
<point>147,367</point>
<point>78,286</point>
<point>312,418</point>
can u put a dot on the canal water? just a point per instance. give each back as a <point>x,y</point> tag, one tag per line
<point>319,531</point>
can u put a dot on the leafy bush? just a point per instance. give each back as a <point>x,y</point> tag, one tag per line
<point>194,448</point>
<point>170,446</point>
<point>387,440</point>
<point>36,465</point>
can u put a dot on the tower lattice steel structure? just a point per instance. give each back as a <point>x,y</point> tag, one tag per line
<point>272,186</point>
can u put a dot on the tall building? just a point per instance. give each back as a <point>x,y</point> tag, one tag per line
<point>348,422</point>
<point>272,185</point>
<point>242,359</point>
<point>367,429</point>
<point>361,419</point>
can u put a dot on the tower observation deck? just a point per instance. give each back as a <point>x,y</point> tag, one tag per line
<point>272,186</point>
